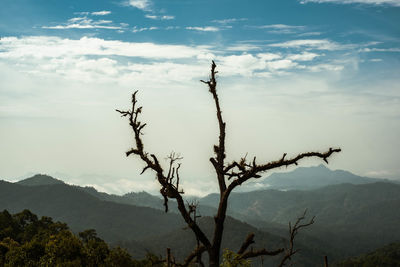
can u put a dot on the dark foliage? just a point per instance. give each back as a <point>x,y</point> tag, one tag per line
<point>80,210</point>
<point>350,219</point>
<point>387,256</point>
<point>26,240</point>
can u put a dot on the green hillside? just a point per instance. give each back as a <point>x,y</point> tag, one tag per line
<point>26,240</point>
<point>235,232</point>
<point>387,256</point>
<point>40,179</point>
<point>140,229</point>
<point>142,199</point>
<point>352,218</point>
<point>81,210</point>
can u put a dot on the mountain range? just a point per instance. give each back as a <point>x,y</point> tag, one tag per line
<point>306,178</point>
<point>351,218</point>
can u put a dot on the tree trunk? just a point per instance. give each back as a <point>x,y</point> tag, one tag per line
<point>214,258</point>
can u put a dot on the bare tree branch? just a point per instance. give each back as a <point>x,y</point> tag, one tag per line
<point>249,240</point>
<point>261,252</point>
<point>255,253</point>
<point>236,172</point>
<point>195,253</point>
<point>293,231</point>
<point>219,149</point>
<point>168,189</point>
<point>252,171</point>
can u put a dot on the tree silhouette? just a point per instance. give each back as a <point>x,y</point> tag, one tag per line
<point>229,176</point>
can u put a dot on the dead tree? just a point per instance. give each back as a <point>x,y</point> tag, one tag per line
<point>193,209</point>
<point>293,231</point>
<point>229,176</point>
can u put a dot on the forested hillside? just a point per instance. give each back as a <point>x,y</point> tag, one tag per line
<point>26,240</point>
<point>386,256</point>
<point>348,217</point>
<point>352,218</point>
<point>139,229</point>
<point>113,221</point>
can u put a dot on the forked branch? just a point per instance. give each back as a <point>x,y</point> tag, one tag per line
<point>255,253</point>
<point>170,182</point>
<point>195,253</point>
<point>293,231</point>
<point>288,252</point>
<point>243,172</point>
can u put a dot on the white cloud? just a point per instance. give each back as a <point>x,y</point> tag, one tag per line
<point>370,2</point>
<point>320,44</point>
<point>305,56</point>
<point>243,47</point>
<point>244,64</point>
<point>51,47</point>
<point>136,29</point>
<point>102,22</point>
<point>172,27</point>
<point>394,49</point>
<point>167,17</point>
<point>123,186</point>
<point>309,34</point>
<point>269,56</point>
<point>76,19</point>
<point>279,27</point>
<point>141,4</point>
<point>203,29</point>
<point>94,59</point>
<point>93,76</point>
<point>227,21</point>
<point>164,17</point>
<point>84,23</point>
<point>151,16</point>
<point>82,13</point>
<point>379,173</point>
<point>98,60</point>
<point>260,65</point>
<point>325,67</point>
<point>282,64</point>
<point>81,26</point>
<point>101,13</point>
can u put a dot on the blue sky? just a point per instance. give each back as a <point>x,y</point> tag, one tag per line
<point>293,76</point>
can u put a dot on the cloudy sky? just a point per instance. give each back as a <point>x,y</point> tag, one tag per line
<point>294,76</point>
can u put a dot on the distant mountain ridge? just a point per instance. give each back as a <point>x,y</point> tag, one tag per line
<point>140,229</point>
<point>113,221</point>
<point>345,213</point>
<point>141,199</point>
<point>39,179</point>
<point>307,178</point>
<point>350,218</point>
<point>301,178</point>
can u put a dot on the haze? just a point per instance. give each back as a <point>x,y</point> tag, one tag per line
<point>323,75</point>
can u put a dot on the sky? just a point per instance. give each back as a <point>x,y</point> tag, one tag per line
<point>293,76</point>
